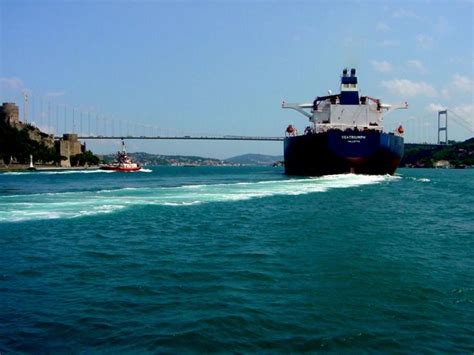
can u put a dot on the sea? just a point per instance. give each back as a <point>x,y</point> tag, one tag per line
<point>236,260</point>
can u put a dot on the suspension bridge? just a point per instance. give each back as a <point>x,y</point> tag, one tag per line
<point>211,138</point>
<point>57,119</point>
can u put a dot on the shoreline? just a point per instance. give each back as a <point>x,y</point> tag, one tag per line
<point>40,168</point>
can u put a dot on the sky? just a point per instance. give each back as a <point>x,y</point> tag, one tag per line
<point>224,67</point>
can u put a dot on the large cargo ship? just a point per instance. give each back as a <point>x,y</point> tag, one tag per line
<point>345,135</point>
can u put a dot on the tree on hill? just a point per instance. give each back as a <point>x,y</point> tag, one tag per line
<point>16,143</point>
<point>86,158</point>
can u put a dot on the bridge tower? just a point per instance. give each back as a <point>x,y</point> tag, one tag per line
<point>443,128</point>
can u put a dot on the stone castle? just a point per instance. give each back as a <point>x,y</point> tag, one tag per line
<point>66,146</point>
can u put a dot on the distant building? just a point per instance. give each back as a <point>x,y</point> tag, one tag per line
<point>442,164</point>
<point>68,146</point>
<point>9,114</point>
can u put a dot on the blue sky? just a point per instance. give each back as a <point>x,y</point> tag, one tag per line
<point>224,67</point>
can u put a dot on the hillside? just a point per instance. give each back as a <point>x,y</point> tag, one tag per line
<point>18,142</point>
<point>182,160</point>
<point>172,160</point>
<point>426,156</point>
<point>255,159</point>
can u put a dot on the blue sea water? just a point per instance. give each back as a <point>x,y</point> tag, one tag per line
<point>225,259</point>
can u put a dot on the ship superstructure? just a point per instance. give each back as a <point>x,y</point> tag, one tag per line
<point>345,134</point>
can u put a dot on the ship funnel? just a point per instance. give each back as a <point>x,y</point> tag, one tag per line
<point>349,92</point>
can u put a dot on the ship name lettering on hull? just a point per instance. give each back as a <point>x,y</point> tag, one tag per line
<point>353,139</point>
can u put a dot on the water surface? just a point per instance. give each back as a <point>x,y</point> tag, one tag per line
<point>236,259</point>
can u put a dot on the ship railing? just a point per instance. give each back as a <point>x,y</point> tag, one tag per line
<point>321,128</point>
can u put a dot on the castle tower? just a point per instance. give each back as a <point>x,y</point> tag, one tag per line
<point>9,114</point>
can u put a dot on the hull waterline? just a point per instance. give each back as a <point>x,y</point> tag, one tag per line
<point>122,169</point>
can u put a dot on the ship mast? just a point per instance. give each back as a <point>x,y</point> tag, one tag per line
<point>123,146</point>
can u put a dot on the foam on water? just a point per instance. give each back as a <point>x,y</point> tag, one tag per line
<point>422,179</point>
<point>87,203</point>
<point>417,179</point>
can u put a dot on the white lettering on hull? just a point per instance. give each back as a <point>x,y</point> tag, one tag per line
<point>353,139</point>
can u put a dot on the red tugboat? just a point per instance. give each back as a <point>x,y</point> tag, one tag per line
<point>122,162</point>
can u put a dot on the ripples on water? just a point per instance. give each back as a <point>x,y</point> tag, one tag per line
<point>246,260</point>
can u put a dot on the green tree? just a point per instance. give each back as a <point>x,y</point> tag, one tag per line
<point>84,158</point>
<point>17,143</point>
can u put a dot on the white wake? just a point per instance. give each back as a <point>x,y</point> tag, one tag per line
<point>86,203</point>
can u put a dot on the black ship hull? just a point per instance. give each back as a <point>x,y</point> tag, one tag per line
<point>367,152</point>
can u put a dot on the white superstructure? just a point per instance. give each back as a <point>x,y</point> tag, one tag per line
<point>344,110</point>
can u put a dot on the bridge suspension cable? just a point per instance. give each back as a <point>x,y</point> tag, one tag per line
<point>53,117</point>
<point>461,121</point>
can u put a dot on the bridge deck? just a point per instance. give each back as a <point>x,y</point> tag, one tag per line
<point>216,138</point>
